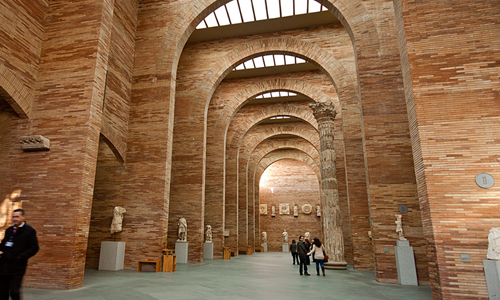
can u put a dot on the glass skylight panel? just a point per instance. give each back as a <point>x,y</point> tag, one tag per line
<point>269,60</point>
<point>273,9</point>
<point>300,7</point>
<point>300,60</point>
<point>211,21</point>
<point>292,94</point>
<point>259,97</point>
<point>286,8</point>
<point>279,60</point>
<point>260,9</point>
<point>314,6</point>
<point>275,94</point>
<point>249,64</point>
<point>234,12</point>
<point>283,94</point>
<point>246,10</point>
<point>289,60</point>
<point>240,67</point>
<point>201,25</point>
<point>267,95</point>
<point>222,16</point>
<point>259,62</point>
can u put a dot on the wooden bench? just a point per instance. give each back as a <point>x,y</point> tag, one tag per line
<point>227,253</point>
<point>141,263</point>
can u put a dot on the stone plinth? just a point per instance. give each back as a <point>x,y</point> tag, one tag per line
<point>208,251</point>
<point>405,263</point>
<point>492,273</point>
<point>264,246</point>
<point>112,256</point>
<point>181,250</point>
<point>285,247</point>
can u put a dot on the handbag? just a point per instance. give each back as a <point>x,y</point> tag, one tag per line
<point>326,256</point>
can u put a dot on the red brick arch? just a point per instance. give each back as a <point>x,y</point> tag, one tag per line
<point>15,93</point>
<point>277,155</point>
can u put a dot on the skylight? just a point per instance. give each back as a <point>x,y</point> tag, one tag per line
<point>276,94</point>
<point>245,11</point>
<point>279,117</point>
<point>271,60</point>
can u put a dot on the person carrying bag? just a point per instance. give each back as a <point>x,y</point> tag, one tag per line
<point>319,255</point>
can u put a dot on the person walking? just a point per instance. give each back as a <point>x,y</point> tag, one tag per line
<point>293,249</point>
<point>319,256</point>
<point>19,244</point>
<point>302,252</point>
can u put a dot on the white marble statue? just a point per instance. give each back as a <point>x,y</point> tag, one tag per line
<point>208,234</point>
<point>273,211</point>
<point>307,236</point>
<point>264,237</point>
<point>494,244</point>
<point>399,227</point>
<point>182,233</point>
<point>318,211</point>
<point>285,236</point>
<point>370,234</point>
<point>295,211</point>
<point>263,209</point>
<point>116,224</point>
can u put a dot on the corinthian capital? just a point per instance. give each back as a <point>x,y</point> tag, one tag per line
<point>323,111</point>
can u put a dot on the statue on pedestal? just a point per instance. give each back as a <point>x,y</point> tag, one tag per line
<point>264,237</point>
<point>208,234</point>
<point>295,211</point>
<point>182,232</point>
<point>273,211</point>
<point>116,223</point>
<point>285,236</point>
<point>318,211</point>
<point>399,227</point>
<point>494,244</point>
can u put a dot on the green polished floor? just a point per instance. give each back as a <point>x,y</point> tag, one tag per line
<point>269,275</point>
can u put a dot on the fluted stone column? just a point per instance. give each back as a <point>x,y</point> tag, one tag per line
<point>325,113</point>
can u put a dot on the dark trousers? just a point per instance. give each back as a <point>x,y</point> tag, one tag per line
<point>303,264</point>
<point>10,285</point>
<point>295,256</point>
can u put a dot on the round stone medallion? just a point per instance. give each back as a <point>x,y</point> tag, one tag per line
<point>307,209</point>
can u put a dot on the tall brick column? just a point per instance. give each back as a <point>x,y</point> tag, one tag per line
<point>332,221</point>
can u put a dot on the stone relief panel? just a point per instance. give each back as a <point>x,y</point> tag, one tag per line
<point>307,209</point>
<point>263,209</point>
<point>284,209</point>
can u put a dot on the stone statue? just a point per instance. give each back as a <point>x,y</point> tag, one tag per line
<point>182,233</point>
<point>263,209</point>
<point>307,236</point>
<point>116,224</point>
<point>494,244</point>
<point>208,234</point>
<point>318,211</point>
<point>370,234</point>
<point>264,237</point>
<point>295,211</point>
<point>285,236</point>
<point>399,227</point>
<point>273,211</point>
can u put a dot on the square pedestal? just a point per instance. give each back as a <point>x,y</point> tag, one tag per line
<point>264,246</point>
<point>492,273</point>
<point>112,256</point>
<point>405,263</point>
<point>285,247</point>
<point>208,251</point>
<point>181,251</point>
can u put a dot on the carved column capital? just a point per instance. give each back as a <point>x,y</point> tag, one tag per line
<point>323,111</point>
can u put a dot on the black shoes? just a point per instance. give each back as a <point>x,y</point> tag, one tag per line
<point>307,274</point>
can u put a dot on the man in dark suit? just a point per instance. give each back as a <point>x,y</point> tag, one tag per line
<point>19,244</point>
<point>302,251</point>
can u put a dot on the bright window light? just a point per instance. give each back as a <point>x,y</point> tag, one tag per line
<point>279,59</point>
<point>267,95</point>
<point>240,67</point>
<point>234,12</point>
<point>275,94</point>
<point>260,9</point>
<point>259,62</point>
<point>222,16</point>
<point>246,10</point>
<point>300,7</point>
<point>292,94</point>
<point>258,97</point>
<point>286,8</point>
<point>289,60</point>
<point>201,25</point>
<point>283,94</point>
<point>268,60</point>
<point>300,60</point>
<point>210,19</point>
<point>249,64</point>
<point>314,6</point>
<point>273,8</point>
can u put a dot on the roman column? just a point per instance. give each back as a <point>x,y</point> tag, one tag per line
<point>325,113</point>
